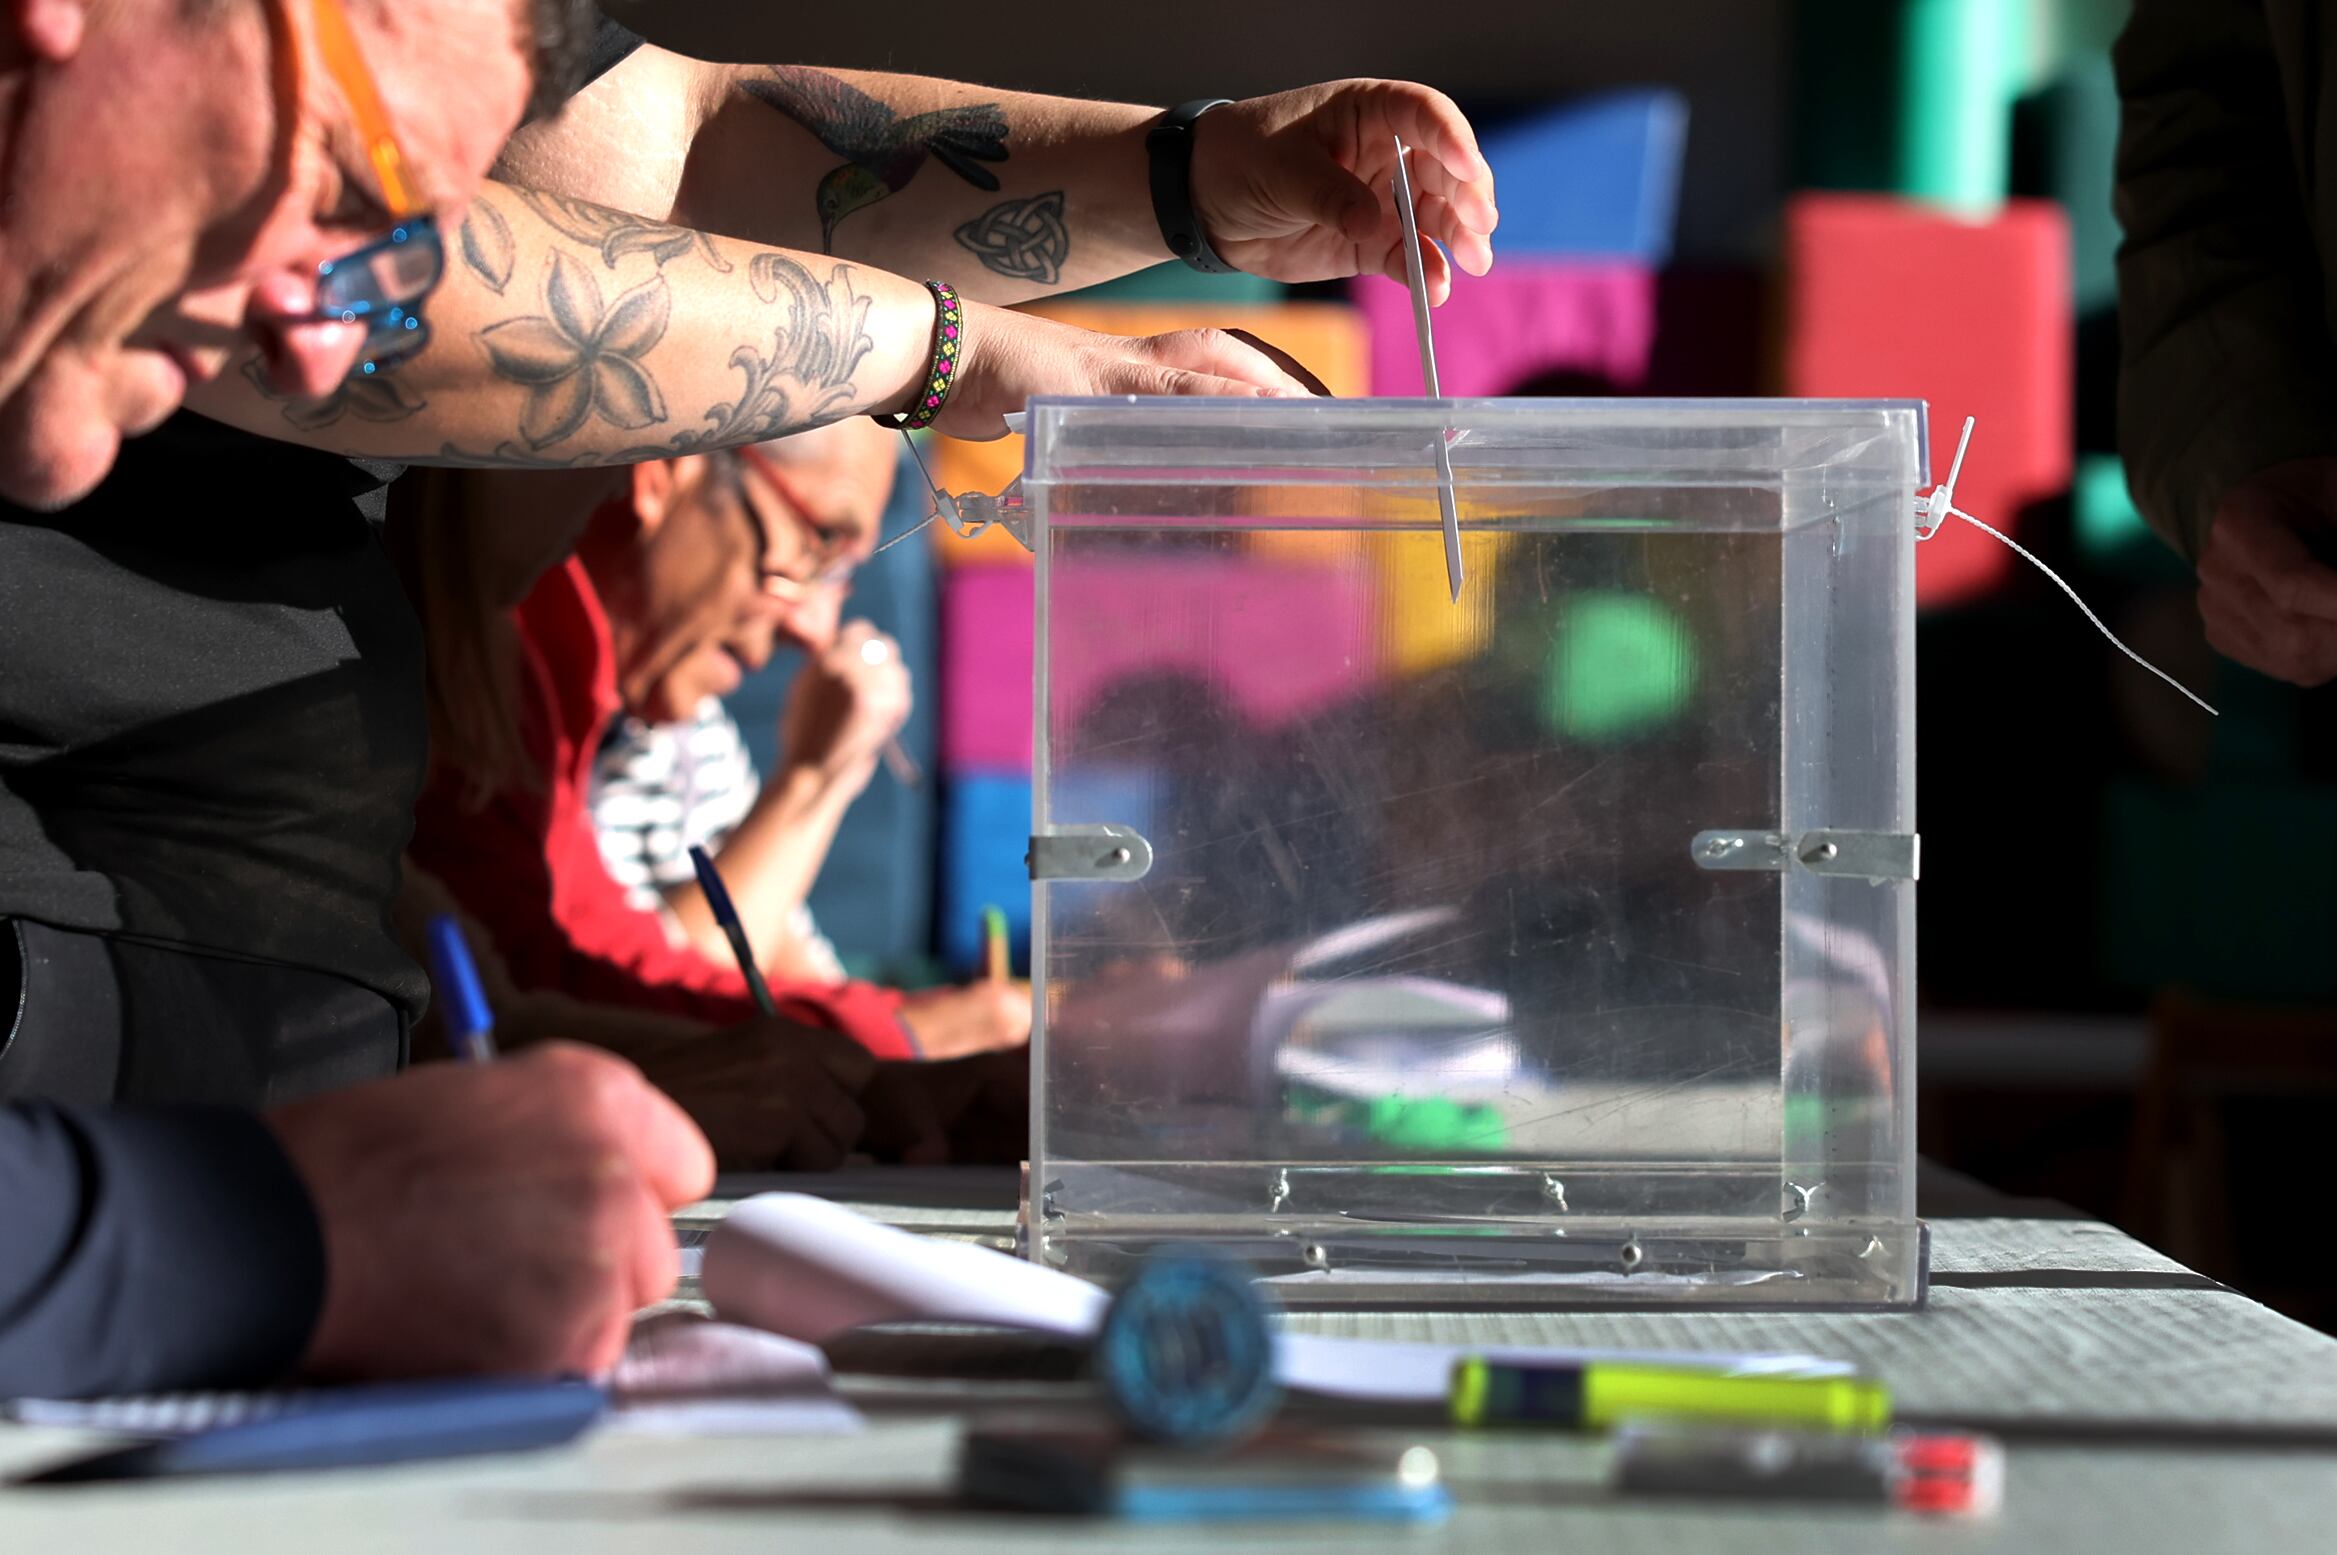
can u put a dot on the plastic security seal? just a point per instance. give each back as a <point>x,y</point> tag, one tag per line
<point>975,511</point>
<point>1939,505</point>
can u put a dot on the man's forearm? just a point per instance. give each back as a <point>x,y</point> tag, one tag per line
<point>566,333</point>
<point>1009,195</point>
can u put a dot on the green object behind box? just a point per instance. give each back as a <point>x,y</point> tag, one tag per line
<point>1620,664</point>
<point>2069,153</point>
<point>1959,64</point>
<point>2111,531</point>
<point>1178,282</point>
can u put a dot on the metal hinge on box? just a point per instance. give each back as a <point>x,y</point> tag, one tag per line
<point>1854,855</point>
<point>1104,852</point>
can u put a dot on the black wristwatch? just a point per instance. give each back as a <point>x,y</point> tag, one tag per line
<point>1169,147</point>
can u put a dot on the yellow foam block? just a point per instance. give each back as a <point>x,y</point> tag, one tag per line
<point>1328,338</point>
<point>1421,626</point>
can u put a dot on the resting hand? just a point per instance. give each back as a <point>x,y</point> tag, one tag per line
<point>1009,357</point>
<point>977,1018</point>
<point>2268,598</point>
<point>770,1093</point>
<point>848,699</point>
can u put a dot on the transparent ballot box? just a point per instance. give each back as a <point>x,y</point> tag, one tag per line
<point>1552,946</point>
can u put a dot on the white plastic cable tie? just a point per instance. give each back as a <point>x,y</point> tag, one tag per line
<point>966,516</point>
<point>1936,509</point>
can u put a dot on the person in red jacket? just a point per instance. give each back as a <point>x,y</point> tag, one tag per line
<point>681,554</point>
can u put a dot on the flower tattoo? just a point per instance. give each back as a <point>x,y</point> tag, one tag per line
<point>578,361</point>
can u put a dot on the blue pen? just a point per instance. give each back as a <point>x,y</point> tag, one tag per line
<point>470,1024</point>
<point>718,903</point>
<point>396,1422</point>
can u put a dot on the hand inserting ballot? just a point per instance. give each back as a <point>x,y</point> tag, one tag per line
<point>1294,186</point>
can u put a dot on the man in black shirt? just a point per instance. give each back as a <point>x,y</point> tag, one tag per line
<point>230,941</point>
<point>445,1221</point>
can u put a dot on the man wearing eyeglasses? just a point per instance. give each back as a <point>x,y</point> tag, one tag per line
<point>177,173</point>
<point>675,770</point>
<point>678,584</point>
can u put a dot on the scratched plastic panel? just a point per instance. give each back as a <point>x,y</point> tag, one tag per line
<point>1425,994</point>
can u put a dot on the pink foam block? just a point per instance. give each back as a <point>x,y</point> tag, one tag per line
<point>1890,299</point>
<point>986,669</point>
<point>1276,639</point>
<point>1592,320</point>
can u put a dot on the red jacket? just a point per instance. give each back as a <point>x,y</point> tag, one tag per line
<point>528,867</point>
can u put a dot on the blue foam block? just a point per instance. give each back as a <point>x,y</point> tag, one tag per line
<point>1596,176</point>
<point>985,830</point>
<point>985,833</point>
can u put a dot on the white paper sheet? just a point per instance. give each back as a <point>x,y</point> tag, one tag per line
<point>685,1375</point>
<point>681,1375</point>
<point>811,1270</point>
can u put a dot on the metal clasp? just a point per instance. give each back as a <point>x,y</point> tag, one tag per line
<point>1855,855</point>
<point>1102,852</point>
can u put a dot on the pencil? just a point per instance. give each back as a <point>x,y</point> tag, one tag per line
<point>994,941</point>
<point>901,764</point>
<point>718,903</point>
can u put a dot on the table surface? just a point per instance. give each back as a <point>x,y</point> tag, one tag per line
<point>2145,1407</point>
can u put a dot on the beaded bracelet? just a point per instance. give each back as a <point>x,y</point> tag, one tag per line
<point>949,325</point>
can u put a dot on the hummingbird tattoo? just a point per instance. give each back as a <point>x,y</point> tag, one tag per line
<point>882,150</point>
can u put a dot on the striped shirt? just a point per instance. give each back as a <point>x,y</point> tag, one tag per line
<point>659,789</point>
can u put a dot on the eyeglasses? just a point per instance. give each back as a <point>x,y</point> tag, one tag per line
<point>383,284</point>
<point>826,569</point>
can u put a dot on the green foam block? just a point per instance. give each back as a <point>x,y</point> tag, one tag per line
<point>1620,665</point>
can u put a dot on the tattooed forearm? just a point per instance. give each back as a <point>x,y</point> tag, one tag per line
<point>882,150</point>
<point>579,361</point>
<point>376,397</point>
<point>826,331</point>
<point>1023,240</point>
<point>617,234</point>
<point>579,364</point>
<point>564,334</point>
<point>486,246</point>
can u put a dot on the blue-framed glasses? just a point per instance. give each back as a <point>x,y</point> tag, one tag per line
<point>382,286</point>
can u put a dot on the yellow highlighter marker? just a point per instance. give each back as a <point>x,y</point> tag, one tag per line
<point>994,941</point>
<point>1601,1395</point>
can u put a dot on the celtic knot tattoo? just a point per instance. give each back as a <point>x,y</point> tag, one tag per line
<point>1023,240</point>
